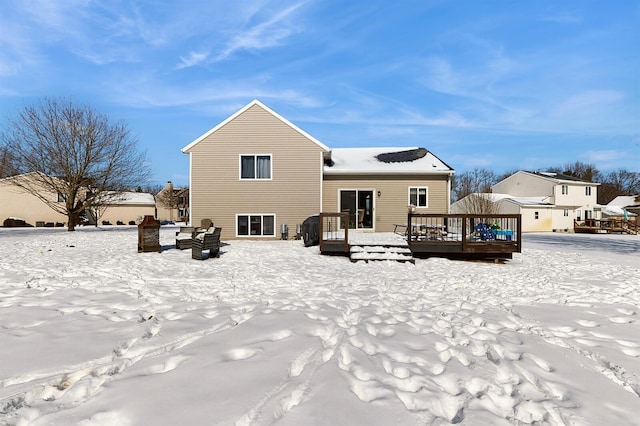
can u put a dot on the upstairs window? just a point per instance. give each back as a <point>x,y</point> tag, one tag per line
<point>61,197</point>
<point>418,196</point>
<point>565,189</point>
<point>254,167</point>
<point>587,190</point>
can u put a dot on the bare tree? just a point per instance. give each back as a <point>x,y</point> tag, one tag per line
<point>584,171</point>
<point>474,181</point>
<point>74,151</point>
<point>479,203</point>
<point>7,163</point>
<point>618,182</point>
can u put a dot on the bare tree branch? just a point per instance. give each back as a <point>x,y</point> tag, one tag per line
<point>75,151</point>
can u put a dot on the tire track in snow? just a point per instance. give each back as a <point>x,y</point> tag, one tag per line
<point>78,383</point>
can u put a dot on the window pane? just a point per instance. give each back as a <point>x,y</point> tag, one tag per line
<point>264,167</point>
<point>243,225</point>
<point>247,164</point>
<point>268,228</point>
<point>256,225</point>
<point>413,196</point>
<point>422,197</point>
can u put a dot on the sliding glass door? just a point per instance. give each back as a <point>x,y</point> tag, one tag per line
<point>358,204</point>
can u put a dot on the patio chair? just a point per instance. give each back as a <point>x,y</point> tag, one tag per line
<point>208,242</point>
<point>184,237</point>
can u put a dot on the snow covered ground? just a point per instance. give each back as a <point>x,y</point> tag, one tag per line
<point>94,333</point>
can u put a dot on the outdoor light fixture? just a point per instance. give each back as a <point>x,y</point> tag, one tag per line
<point>379,193</point>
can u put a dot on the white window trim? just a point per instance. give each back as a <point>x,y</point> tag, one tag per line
<point>255,165</point>
<point>564,189</point>
<point>262,215</point>
<point>418,196</point>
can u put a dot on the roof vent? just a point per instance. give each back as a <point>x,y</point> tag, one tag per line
<point>402,156</point>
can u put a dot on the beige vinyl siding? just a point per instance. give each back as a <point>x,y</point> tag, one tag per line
<point>17,202</point>
<point>391,205</point>
<point>293,192</point>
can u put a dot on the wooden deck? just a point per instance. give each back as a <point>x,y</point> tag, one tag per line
<point>464,236</point>
<point>438,235</point>
<point>607,226</point>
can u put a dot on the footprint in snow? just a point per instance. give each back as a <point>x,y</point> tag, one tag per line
<point>625,311</point>
<point>587,323</point>
<point>106,418</point>
<point>298,365</point>
<point>280,335</point>
<point>239,354</point>
<point>169,365</point>
<point>620,320</point>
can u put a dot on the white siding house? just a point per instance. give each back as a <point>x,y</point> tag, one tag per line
<point>547,201</point>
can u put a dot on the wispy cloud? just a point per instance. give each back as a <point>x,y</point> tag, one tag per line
<point>586,103</point>
<point>194,58</point>
<point>269,33</point>
<point>603,156</point>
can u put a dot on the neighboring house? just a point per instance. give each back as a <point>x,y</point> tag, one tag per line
<point>123,208</point>
<point>256,171</point>
<point>537,212</point>
<point>547,201</point>
<point>18,203</point>
<point>630,203</point>
<point>172,204</point>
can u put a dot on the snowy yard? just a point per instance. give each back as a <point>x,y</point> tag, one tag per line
<point>94,333</point>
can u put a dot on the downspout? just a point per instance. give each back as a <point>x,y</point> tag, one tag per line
<point>190,223</point>
<point>449,193</point>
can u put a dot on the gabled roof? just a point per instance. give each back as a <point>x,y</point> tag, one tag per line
<point>187,148</point>
<point>385,161</point>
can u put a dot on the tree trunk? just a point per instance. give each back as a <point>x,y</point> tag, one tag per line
<point>74,219</point>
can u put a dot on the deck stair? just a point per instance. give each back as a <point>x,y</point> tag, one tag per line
<point>379,252</point>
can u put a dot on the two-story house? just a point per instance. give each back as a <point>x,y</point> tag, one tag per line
<point>256,170</point>
<point>172,204</point>
<point>560,199</point>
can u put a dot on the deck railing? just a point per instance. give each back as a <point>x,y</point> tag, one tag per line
<point>464,233</point>
<point>607,225</point>
<point>334,233</point>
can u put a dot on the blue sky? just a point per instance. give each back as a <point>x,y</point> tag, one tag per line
<point>495,84</point>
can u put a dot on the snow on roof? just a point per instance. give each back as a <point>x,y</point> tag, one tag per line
<point>125,198</point>
<point>624,201</point>
<point>385,160</point>
<point>616,211</point>
<point>523,201</point>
